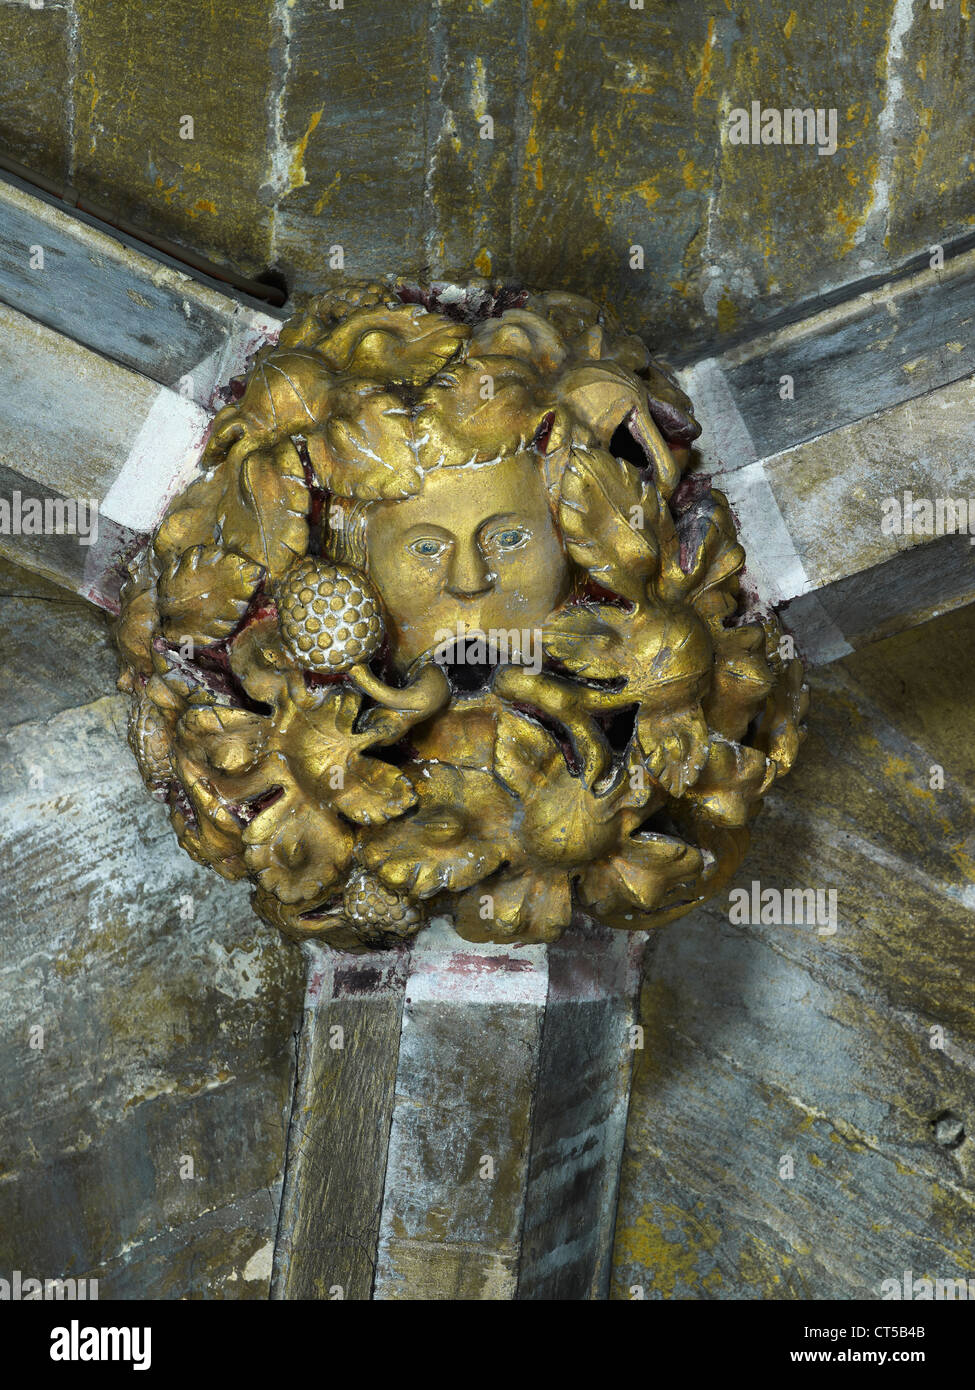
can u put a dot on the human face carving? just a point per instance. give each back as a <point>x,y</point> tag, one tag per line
<point>477,547</point>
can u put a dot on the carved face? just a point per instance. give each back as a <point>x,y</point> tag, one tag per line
<point>477,547</point>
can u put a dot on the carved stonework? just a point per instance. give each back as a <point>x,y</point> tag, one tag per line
<point>441,629</point>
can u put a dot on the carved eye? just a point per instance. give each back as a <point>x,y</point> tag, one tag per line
<point>510,538</point>
<point>428,548</point>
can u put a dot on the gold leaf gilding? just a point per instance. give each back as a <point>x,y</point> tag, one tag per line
<point>460,637</point>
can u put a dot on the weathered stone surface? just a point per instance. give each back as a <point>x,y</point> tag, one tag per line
<point>773,1041</point>
<point>138,310</point>
<point>451,1225</point>
<point>835,365</point>
<point>459,1119</point>
<point>34,119</point>
<point>76,426</point>
<point>508,1118</point>
<point>478,95</point>
<point>361,127</point>
<point>931,168</point>
<point>581,1098</point>
<point>166,1013</point>
<point>349,137</point>
<point>140,70</point>
<point>823,539</point>
<point>339,1130</point>
<point>817,432</point>
<point>58,651</point>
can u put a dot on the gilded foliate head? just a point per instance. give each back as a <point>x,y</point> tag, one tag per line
<point>442,628</point>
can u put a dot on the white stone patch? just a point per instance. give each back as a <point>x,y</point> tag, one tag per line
<point>162,459</point>
<point>236,973</point>
<point>725,442</point>
<point>445,967</point>
<point>260,1263</point>
<point>772,561</point>
<point>878,213</point>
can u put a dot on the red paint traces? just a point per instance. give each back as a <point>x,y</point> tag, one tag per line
<point>544,432</point>
<point>351,981</point>
<point>466,964</point>
<point>689,490</point>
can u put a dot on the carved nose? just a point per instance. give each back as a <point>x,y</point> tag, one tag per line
<point>469,576</point>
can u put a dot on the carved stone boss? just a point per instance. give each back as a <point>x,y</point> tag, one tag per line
<point>442,629</point>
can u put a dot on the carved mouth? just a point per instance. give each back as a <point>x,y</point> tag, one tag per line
<point>469,663</point>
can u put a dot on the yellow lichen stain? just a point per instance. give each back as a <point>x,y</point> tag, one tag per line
<point>533,163</point>
<point>790,24</point>
<point>150,1094</point>
<point>816,1161</point>
<point>923,137</point>
<point>479,101</point>
<point>647,192</point>
<point>964,9</point>
<point>949,1209</point>
<point>667,1252</point>
<point>94,96</point>
<point>922,68</point>
<point>849,222</point>
<point>532,159</point>
<point>482,262</point>
<point>761,1266</point>
<point>853,137</point>
<point>204,205</point>
<point>965,863</point>
<point>895,767</point>
<point>695,176</point>
<point>705,69</point>
<point>139,298</point>
<point>167,193</point>
<point>727,315</point>
<point>326,193</point>
<point>541,14</point>
<point>855,1145</point>
<point>296,173</point>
